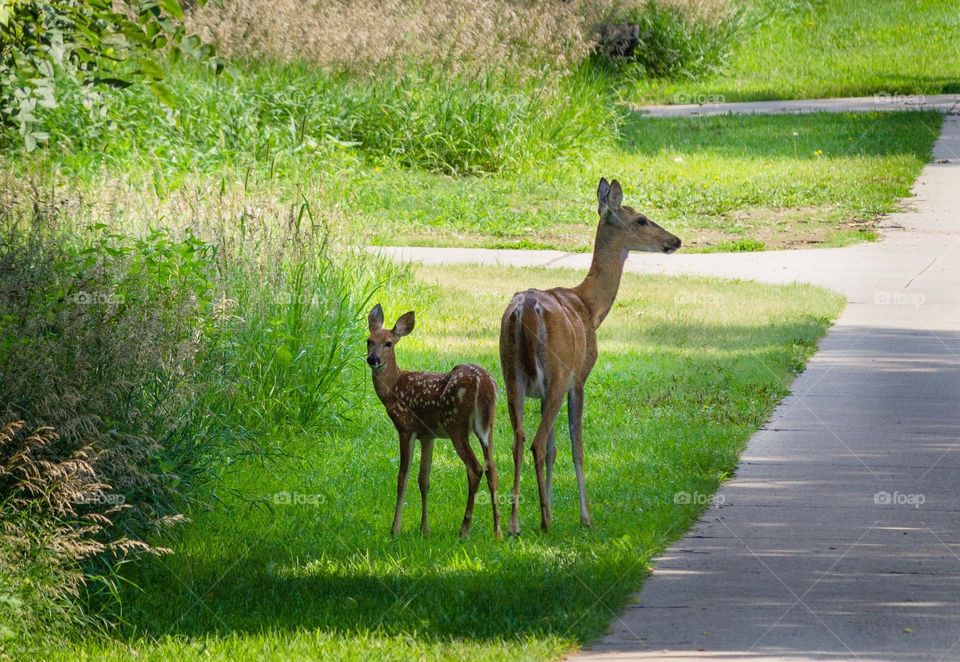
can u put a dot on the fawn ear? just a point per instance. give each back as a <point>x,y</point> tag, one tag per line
<point>404,325</point>
<point>375,318</point>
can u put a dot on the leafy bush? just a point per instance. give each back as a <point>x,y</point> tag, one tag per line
<point>92,43</point>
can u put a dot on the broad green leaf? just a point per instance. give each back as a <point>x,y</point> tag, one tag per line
<point>173,8</point>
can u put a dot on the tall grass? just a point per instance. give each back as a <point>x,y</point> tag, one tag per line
<point>423,119</point>
<point>146,360</point>
<point>523,37</point>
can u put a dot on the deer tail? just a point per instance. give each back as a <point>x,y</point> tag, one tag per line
<point>486,407</point>
<point>529,336</point>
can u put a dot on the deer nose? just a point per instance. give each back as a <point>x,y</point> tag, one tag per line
<point>673,245</point>
<point>373,360</point>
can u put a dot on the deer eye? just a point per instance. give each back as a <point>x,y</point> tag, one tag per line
<point>388,344</point>
<point>641,221</point>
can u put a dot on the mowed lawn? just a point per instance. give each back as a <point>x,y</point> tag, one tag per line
<point>302,566</point>
<point>831,48</point>
<point>720,183</point>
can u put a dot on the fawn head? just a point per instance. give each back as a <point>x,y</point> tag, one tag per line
<point>632,230</point>
<point>381,341</point>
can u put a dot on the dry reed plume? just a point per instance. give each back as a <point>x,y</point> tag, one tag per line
<point>365,35</point>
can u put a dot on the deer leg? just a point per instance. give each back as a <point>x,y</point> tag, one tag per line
<point>492,480</point>
<point>575,417</point>
<point>515,407</point>
<point>549,410</point>
<point>406,450</point>
<point>426,460</point>
<point>461,442</point>
<point>551,455</point>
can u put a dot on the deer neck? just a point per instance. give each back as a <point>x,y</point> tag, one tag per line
<point>599,289</point>
<point>385,382</point>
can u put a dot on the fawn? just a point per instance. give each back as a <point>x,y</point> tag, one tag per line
<point>430,405</point>
<point>548,343</point>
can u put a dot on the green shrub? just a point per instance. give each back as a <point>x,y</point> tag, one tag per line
<point>93,44</point>
<point>678,39</point>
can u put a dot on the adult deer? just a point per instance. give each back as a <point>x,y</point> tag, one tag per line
<point>548,343</point>
<point>428,405</point>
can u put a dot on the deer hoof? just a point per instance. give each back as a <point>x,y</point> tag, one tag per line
<point>586,521</point>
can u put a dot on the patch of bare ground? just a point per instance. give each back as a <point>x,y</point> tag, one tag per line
<point>787,228</point>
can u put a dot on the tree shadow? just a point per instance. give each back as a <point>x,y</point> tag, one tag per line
<point>338,572</point>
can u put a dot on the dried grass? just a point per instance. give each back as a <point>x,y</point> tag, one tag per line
<point>61,488</point>
<point>55,514</point>
<point>520,37</point>
<point>366,35</point>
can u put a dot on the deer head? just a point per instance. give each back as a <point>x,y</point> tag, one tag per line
<point>631,230</point>
<point>381,342</point>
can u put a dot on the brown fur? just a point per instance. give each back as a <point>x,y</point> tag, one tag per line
<point>548,343</point>
<point>431,405</point>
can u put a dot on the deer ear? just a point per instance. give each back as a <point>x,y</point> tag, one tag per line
<point>404,325</point>
<point>375,318</point>
<point>615,197</point>
<point>602,191</point>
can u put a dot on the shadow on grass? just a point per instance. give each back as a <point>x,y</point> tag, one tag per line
<point>434,605</point>
<point>334,569</point>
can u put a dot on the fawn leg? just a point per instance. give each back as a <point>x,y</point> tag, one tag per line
<point>549,410</point>
<point>406,450</point>
<point>515,407</point>
<point>575,417</point>
<point>426,460</point>
<point>461,442</point>
<point>492,481</point>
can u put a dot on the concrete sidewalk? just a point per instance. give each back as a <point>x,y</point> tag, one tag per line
<point>839,538</point>
<point>944,103</point>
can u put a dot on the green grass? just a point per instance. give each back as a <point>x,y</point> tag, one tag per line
<point>785,181</point>
<point>688,369</point>
<point>832,48</point>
